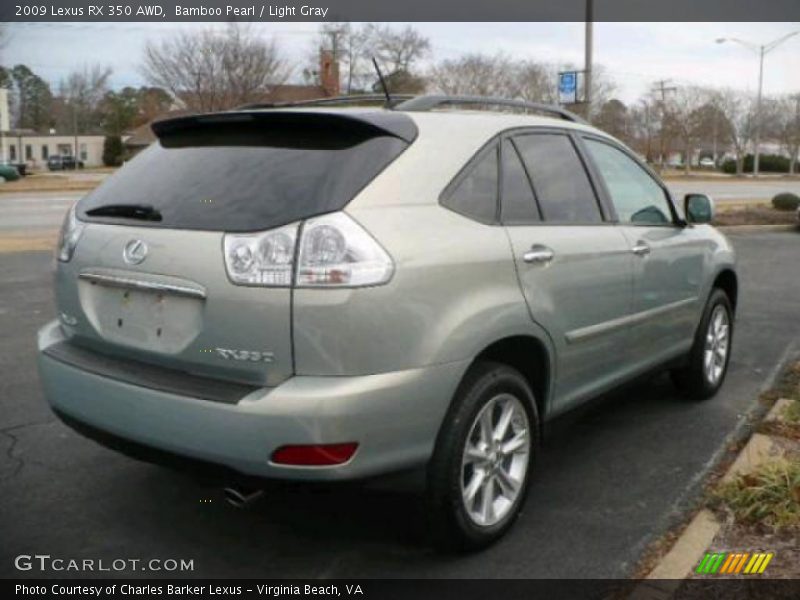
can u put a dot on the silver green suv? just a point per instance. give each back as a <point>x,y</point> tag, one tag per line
<point>328,293</point>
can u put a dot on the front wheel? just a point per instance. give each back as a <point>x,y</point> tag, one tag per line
<point>707,363</point>
<point>478,476</point>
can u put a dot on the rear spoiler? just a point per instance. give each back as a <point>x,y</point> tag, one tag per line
<point>367,123</point>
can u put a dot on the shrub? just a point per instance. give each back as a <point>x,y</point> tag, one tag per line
<point>729,166</point>
<point>786,201</point>
<point>112,151</point>
<point>767,163</point>
<point>769,497</point>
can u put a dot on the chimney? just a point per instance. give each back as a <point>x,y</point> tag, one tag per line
<point>328,73</point>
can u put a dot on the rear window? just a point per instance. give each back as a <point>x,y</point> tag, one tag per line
<point>246,177</point>
<point>475,196</point>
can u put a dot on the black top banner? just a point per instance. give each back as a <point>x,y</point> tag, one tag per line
<point>399,10</point>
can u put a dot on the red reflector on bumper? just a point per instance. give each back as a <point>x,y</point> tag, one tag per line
<point>315,455</point>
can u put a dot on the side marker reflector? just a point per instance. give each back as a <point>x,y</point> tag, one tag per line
<point>316,455</point>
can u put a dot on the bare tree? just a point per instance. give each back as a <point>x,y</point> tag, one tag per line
<point>537,82</point>
<point>495,75</point>
<point>739,111</point>
<point>603,87</point>
<point>662,119</point>
<point>395,49</point>
<point>685,119</point>
<point>214,70</point>
<point>785,113</point>
<point>4,38</point>
<point>476,75</point>
<point>614,118</point>
<point>81,95</point>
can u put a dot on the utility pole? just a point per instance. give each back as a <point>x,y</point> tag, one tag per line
<point>714,128</point>
<point>757,137</point>
<point>587,62</point>
<point>3,117</point>
<point>795,133</point>
<point>662,88</point>
<point>75,132</point>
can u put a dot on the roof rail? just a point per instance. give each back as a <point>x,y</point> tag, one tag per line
<point>336,100</point>
<point>424,103</point>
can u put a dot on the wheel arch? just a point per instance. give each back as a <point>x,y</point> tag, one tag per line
<point>727,281</point>
<point>531,357</point>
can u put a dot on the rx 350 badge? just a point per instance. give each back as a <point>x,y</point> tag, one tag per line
<point>245,355</point>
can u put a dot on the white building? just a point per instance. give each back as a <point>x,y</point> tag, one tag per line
<point>5,118</point>
<point>34,149</point>
<point>19,146</point>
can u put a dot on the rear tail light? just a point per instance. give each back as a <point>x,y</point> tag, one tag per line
<point>264,259</point>
<point>334,251</point>
<point>316,455</point>
<point>69,235</point>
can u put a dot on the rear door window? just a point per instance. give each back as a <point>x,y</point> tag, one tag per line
<point>246,177</point>
<point>559,178</point>
<point>519,205</point>
<point>475,194</point>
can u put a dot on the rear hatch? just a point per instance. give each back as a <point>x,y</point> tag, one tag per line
<point>148,279</point>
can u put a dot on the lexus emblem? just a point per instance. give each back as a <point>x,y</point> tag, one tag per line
<point>135,252</point>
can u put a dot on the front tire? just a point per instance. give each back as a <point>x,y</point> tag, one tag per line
<point>479,473</point>
<point>707,362</point>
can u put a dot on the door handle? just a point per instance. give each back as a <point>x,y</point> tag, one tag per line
<point>641,249</point>
<point>538,254</point>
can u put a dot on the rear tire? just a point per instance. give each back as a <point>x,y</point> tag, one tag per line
<point>707,361</point>
<point>479,473</point>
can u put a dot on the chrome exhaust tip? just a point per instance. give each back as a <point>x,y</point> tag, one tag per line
<point>241,497</point>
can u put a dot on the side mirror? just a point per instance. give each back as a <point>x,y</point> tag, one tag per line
<point>698,208</point>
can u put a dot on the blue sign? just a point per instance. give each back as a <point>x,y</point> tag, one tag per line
<point>568,83</point>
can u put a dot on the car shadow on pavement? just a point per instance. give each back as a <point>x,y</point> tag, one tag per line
<point>388,515</point>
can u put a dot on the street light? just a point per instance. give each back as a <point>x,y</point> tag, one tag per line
<point>761,51</point>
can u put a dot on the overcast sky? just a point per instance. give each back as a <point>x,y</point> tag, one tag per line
<point>635,54</point>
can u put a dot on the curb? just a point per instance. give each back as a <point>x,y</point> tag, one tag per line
<point>759,450</point>
<point>694,540</point>
<point>688,548</point>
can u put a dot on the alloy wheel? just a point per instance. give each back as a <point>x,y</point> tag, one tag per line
<point>495,460</point>
<point>717,345</point>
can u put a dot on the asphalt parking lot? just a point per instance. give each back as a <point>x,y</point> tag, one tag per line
<point>612,477</point>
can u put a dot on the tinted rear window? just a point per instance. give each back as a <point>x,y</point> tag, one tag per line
<point>475,196</point>
<point>246,177</point>
<point>559,179</point>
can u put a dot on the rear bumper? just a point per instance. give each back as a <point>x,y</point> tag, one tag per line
<point>394,417</point>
